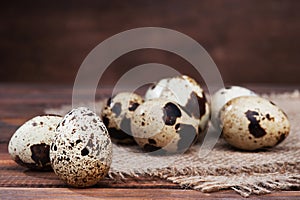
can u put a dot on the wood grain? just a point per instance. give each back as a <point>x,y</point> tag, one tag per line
<point>120,193</point>
<point>19,103</point>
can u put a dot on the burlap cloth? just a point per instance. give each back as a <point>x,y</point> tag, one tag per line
<point>224,167</point>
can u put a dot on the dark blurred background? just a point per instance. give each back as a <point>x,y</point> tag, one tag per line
<point>251,41</point>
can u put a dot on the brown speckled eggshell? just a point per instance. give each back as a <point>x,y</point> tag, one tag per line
<point>186,92</point>
<point>163,126</point>
<point>29,146</point>
<point>117,114</point>
<point>251,123</point>
<point>81,151</point>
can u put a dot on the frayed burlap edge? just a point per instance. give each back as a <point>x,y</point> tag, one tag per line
<point>224,168</point>
<point>244,184</point>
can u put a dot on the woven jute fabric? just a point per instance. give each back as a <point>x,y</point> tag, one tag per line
<point>223,167</point>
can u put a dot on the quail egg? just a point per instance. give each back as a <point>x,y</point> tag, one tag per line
<point>117,114</point>
<point>221,97</point>
<point>81,150</point>
<point>186,92</point>
<point>29,146</point>
<point>162,126</point>
<point>252,122</point>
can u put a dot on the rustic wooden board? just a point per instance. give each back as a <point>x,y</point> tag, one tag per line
<point>19,103</point>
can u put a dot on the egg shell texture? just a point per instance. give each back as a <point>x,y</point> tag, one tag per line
<point>81,151</point>
<point>160,124</point>
<point>252,123</point>
<point>186,92</point>
<point>117,114</point>
<point>222,96</point>
<point>29,146</point>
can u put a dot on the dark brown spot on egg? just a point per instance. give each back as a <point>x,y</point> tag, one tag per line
<point>177,126</point>
<point>228,87</point>
<point>254,127</point>
<point>78,141</point>
<point>60,158</point>
<point>84,128</point>
<point>133,106</point>
<point>108,101</point>
<point>272,103</point>
<point>40,154</point>
<point>188,135</point>
<point>281,138</point>
<point>196,105</point>
<point>31,165</point>
<point>151,141</point>
<point>84,152</point>
<point>151,148</point>
<point>117,108</point>
<point>89,114</point>
<point>268,116</point>
<point>103,129</point>
<point>171,112</point>
<point>53,147</point>
<point>105,120</point>
<point>34,124</point>
<point>153,86</point>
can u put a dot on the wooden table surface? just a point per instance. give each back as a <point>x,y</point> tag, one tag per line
<point>18,103</point>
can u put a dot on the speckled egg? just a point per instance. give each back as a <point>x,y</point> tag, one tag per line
<point>117,114</point>
<point>251,123</point>
<point>162,126</point>
<point>221,97</point>
<point>187,93</point>
<point>81,151</point>
<point>29,146</point>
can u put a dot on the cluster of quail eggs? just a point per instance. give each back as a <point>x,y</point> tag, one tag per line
<point>172,116</point>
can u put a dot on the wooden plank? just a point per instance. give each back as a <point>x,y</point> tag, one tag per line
<point>13,175</point>
<point>20,183</point>
<point>121,193</point>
